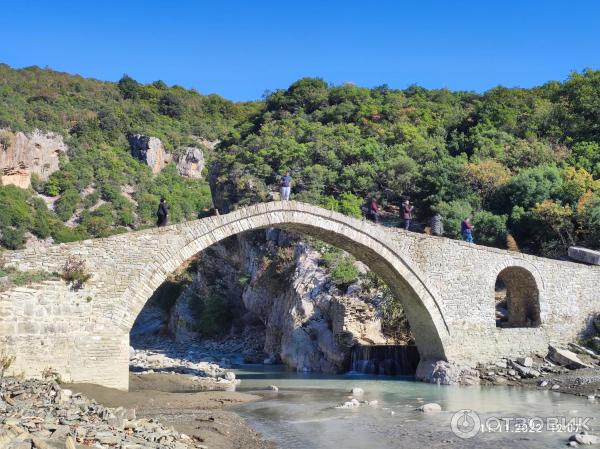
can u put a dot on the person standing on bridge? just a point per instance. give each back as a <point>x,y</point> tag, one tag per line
<point>437,225</point>
<point>406,212</point>
<point>466,229</point>
<point>162,213</point>
<point>286,186</point>
<point>374,210</point>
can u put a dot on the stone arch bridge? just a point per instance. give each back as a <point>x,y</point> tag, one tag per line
<point>447,288</point>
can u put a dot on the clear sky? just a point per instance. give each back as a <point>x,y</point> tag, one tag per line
<point>239,49</point>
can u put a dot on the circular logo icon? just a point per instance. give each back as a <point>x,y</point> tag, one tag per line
<point>465,424</point>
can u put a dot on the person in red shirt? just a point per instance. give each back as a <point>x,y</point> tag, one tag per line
<point>406,212</point>
<point>374,210</point>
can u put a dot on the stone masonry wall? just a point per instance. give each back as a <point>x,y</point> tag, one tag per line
<point>446,287</point>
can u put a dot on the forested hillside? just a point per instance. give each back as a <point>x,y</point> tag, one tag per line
<point>518,161</point>
<point>524,162</point>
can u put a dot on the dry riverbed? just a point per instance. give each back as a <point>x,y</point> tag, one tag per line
<point>201,415</point>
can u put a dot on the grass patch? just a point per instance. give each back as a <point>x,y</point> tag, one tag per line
<point>11,277</point>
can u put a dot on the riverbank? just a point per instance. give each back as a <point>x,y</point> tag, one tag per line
<point>560,370</point>
<point>41,414</point>
<point>172,400</point>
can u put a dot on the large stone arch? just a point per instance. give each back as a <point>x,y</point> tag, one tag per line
<point>360,238</point>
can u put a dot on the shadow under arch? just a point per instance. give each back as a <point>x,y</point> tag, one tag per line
<point>367,242</point>
<point>522,297</point>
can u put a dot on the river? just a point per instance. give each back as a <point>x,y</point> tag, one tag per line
<point>303,413</point>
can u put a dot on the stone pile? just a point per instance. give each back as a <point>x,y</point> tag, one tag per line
<point>557,361</point>
<point>37,414</point>
<point>512,372</point>
<point>210,376</point>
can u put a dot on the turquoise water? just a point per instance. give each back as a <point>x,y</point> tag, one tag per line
<point>303,413</point>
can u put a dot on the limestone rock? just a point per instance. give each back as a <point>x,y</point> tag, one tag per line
<point>149,150</point>
<point>357,391</point>
<point>585,439</point>
<point>191,163</point>
<point>21,155</point>
<point>432,407</point>
<point>354,403</point>
<point>446,373</point>
<point>566,358</point>
<point>525,361</point>
<point>584,255</point>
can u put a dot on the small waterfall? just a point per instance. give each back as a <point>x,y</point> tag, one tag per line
<point>389,360</point>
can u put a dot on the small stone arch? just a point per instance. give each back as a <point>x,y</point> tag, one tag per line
<point>517,298</point>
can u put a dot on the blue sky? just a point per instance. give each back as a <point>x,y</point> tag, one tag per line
<point>239,49</point>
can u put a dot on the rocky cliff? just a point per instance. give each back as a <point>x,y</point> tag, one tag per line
<point>273,291</point>
<point>149,150</point>
<point>22,155</point>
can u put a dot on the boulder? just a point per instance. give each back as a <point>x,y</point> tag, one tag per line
<point>566,358</point>
<point>585,439</point>
<point>525,361</point>
<point>190,162</point>
<point>354,403</point>
<point>22,155</point>
<point>584,255</point>
<point>357,391</point>
<point>432,407</point>
<point>149,150</point>
<point>446,373</point>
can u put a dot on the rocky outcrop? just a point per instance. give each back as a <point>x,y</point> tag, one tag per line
<point>190,162</point>
<point>149,150</point>
<point>446,373</point>
<point>22,155</point>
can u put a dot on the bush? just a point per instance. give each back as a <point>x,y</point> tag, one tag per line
<point>170,105</point>
<point>64,234</point>
<point>490,229</point>
<point>341,267</point>
<point>15,216</point>
<point>67,204</point>
<point>130,88</point>
<point>350,204</point>
<point>345,272</point>
<point>75,273</point>
<point>213,315</point>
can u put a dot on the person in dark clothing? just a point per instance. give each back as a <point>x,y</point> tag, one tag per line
<point>162,213</point>
<point>437,225</point>
<point>406,211</point>
<point>374,210</point>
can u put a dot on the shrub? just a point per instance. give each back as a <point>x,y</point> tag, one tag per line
<point>64,234</point>
<point>349,204</point>
<point>490,229</point>
<point>341,267</point>
<point>345,272</point>
<point>170,105</point>
<point>6,361</point>
<point>130,88</point>
<point>213,315</point>
<point>67,204</point>
<point>75,273</point>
